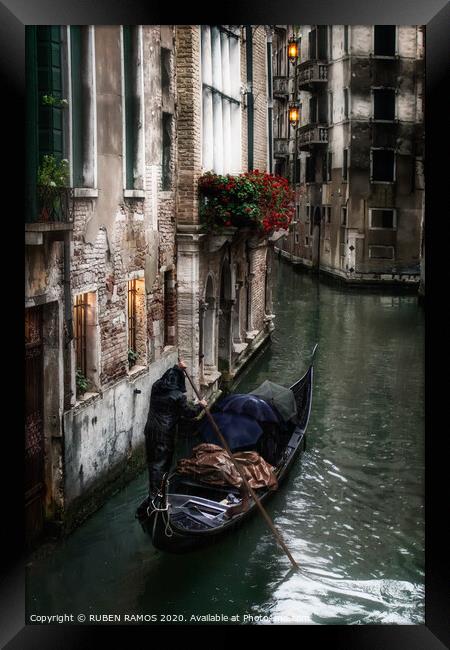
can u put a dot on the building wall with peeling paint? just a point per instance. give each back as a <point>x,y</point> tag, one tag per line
<point>94,440</point>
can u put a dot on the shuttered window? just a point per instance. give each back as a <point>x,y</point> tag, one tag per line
<point>49,77</point>
<point>221,117</point>
<point>44,122</point>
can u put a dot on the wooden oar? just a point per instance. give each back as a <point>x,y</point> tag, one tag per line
<point>246,483</point>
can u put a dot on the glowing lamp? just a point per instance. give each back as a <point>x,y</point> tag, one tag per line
<point>292,50</point>
<point>294,114</point>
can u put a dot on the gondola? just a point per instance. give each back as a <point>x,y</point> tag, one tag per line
<point>190,514</point>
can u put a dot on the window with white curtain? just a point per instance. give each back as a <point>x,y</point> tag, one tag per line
<point>221,142</point>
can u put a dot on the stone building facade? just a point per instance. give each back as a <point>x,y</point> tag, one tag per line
<point>100,270</point>
<point>357,154</point>
<point>224,301</point>
<point>120,276</point>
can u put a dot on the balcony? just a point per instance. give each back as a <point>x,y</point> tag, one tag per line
<point>52,212</point>
<point>54,205</point>
<point>310,74</point>
<point>282,147</point>
<point>281,87</point>
<point>310,135</point>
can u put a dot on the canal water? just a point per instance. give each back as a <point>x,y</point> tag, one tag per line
<point>351,511</point>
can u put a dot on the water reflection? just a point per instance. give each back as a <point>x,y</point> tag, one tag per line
<point>351,511</point>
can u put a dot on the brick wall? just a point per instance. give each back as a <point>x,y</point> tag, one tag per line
<point>189,150</point>
<point>260,97</point>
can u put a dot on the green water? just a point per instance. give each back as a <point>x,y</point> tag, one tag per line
<point>351,511</point>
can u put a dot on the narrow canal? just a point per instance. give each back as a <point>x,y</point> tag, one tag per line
<point>351,511</point>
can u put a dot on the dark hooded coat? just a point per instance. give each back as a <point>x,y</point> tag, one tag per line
<point>168,403</point>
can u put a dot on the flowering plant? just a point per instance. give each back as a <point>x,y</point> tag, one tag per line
<point>50,100</point>
<point>53,173</point>
<point>52,189</point>
<point>255,200</point>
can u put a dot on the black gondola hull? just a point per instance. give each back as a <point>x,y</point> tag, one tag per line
<point>167,536</point>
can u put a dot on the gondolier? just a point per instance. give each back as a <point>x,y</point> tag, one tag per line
<point>168,404</point>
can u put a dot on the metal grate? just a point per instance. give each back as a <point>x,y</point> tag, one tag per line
<point>132,317</point>
<point>80,326</point>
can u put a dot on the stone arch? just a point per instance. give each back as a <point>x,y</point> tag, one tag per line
<point>237,306</point>
<point>225,304</point>
<point>208,324</point>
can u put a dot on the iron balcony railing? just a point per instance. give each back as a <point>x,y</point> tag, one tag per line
<point>53,205</point>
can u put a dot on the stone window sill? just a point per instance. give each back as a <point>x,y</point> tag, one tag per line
<point>134,194</point>
<point>85,192</point>
<point>85,399</point>
<point>136,370</point>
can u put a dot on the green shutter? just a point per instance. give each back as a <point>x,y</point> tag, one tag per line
<point>32,148</point>
<point>49,82</point>
<point>76,102</point>
<point>129,105</point>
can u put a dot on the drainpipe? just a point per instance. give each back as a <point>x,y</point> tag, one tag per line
<point>248,307</point>
<point>270,97</point>
<point>250,99</point>
<point>68,333</point>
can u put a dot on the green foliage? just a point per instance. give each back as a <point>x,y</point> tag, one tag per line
<point>53,172</point>
<point>132,357</point>
<point>50,100</point>
<point>81,382</point>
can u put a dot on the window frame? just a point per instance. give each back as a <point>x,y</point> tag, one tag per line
<point>346,103</point>
<point>236,153</point>
<point>385,56</point>
<point>381,120</point>
<point>91,336</point>
<point>138,149</point>
<point>372,149</point>
<point>394,219</point>
<point>391,259</point>
<point>345,167</point>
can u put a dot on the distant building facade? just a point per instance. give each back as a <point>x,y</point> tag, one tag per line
<point>357,154</point>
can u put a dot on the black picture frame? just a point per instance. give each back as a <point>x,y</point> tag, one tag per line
<point>435,14</point>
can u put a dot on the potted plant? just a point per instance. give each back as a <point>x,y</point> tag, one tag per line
<point>53,175</point>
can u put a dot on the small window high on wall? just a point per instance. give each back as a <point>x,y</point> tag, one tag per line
<point>85,336</point>
<point>220,47</point>
<point>136,323</point>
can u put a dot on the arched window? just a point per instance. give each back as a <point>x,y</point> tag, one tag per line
<point>208,324</point>
<point>225,317</point>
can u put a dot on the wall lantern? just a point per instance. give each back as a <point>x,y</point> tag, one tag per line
<point>294,114</point>
<point>292,50</point>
